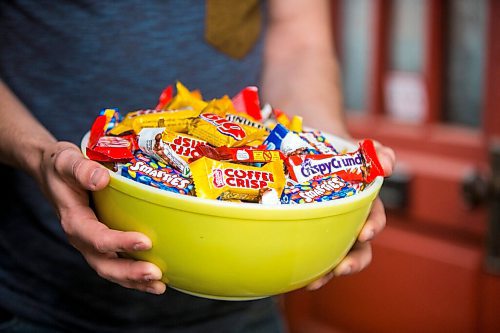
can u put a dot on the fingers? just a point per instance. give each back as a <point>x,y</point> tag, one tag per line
<point>69,175</point>
<point>359,258</point>
<point>73,166</point>
<point>82,227</point>
<point>100,247</point>
<point>356,260</point>
<point>104,240</point>
<point>139,275</point>
<point>375,223</point>
<point>387,158</point>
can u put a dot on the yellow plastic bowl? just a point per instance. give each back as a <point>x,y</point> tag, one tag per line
<point>235,251</point>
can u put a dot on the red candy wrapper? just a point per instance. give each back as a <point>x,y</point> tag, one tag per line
<point>103,148</point>
<point>247,101</point>
<point>165,97</point>
<point>360,165</point>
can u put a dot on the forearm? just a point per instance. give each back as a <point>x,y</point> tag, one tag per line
<point>22,138</point>
<point>301,74</point>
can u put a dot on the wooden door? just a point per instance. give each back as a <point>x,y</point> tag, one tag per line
<point>433,94</point>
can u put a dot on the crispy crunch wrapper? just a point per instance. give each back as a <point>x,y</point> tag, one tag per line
<point>360,165</point>
<point>230,181</point>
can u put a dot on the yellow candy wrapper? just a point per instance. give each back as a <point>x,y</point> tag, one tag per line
<point>185,99</point>
<point>125,126</point>
<point>230,181</point>
<point>173,120</point>
<point>214,128</point>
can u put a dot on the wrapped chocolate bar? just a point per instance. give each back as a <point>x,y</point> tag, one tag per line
<point>104,148</point>
<point>360,165</point>
<point>288,142</point>
<point>214,128</point>
<point>241,154</point>
<point>125,125</point>
<point>185,100</point>
<point>174,120</point>
<point>183,144</point>
<point>151,143</point>
<point>318,142</point>
<point>148,171</point>
<point>228,181</point>
<point>238,151</point>
<point>319,190</point>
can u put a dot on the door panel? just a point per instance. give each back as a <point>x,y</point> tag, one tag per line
<point>416,283</point>
<point>428,272</point>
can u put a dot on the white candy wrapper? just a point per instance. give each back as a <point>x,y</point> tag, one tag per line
<point>151,143</point>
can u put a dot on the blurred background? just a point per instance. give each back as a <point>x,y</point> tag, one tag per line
<point>423,77</point>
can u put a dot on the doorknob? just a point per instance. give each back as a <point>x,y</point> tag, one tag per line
<point>493,236</point>
<point>479,189</point>
<point>476,188</point>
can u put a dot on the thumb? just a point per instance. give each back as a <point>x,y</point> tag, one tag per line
<point>70,163</point>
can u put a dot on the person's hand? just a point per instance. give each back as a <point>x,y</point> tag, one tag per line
<point>67,176</point>
<point>360,256</point>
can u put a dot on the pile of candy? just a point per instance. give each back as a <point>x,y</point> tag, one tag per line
<point>228,149</point>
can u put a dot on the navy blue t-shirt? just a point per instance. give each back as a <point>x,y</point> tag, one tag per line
<point>66,60</point>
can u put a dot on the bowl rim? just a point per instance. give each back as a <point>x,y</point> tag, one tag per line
<point>160,197</point>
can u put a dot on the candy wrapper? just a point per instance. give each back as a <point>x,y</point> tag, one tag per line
<point>242,155</point>
<point>247,101</point>
<point>318,142</point>
<point>223,180</point>
<point>125,125</point>
<point>151,143</point>
<point>173,120</point>
<point>218,131</point>
<point>361,165</point>
<point>148,171</point>
<point>104,148</point>
<point>185,100</point>
<point>229,149</point>
<point>325,189</point>
<point>184,145</point>
<point>288,142</point>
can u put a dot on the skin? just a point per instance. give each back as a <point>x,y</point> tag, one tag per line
<point>302,76</point>
<point>299,50</point>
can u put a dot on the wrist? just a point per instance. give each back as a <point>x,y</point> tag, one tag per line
<point>31,154</point>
